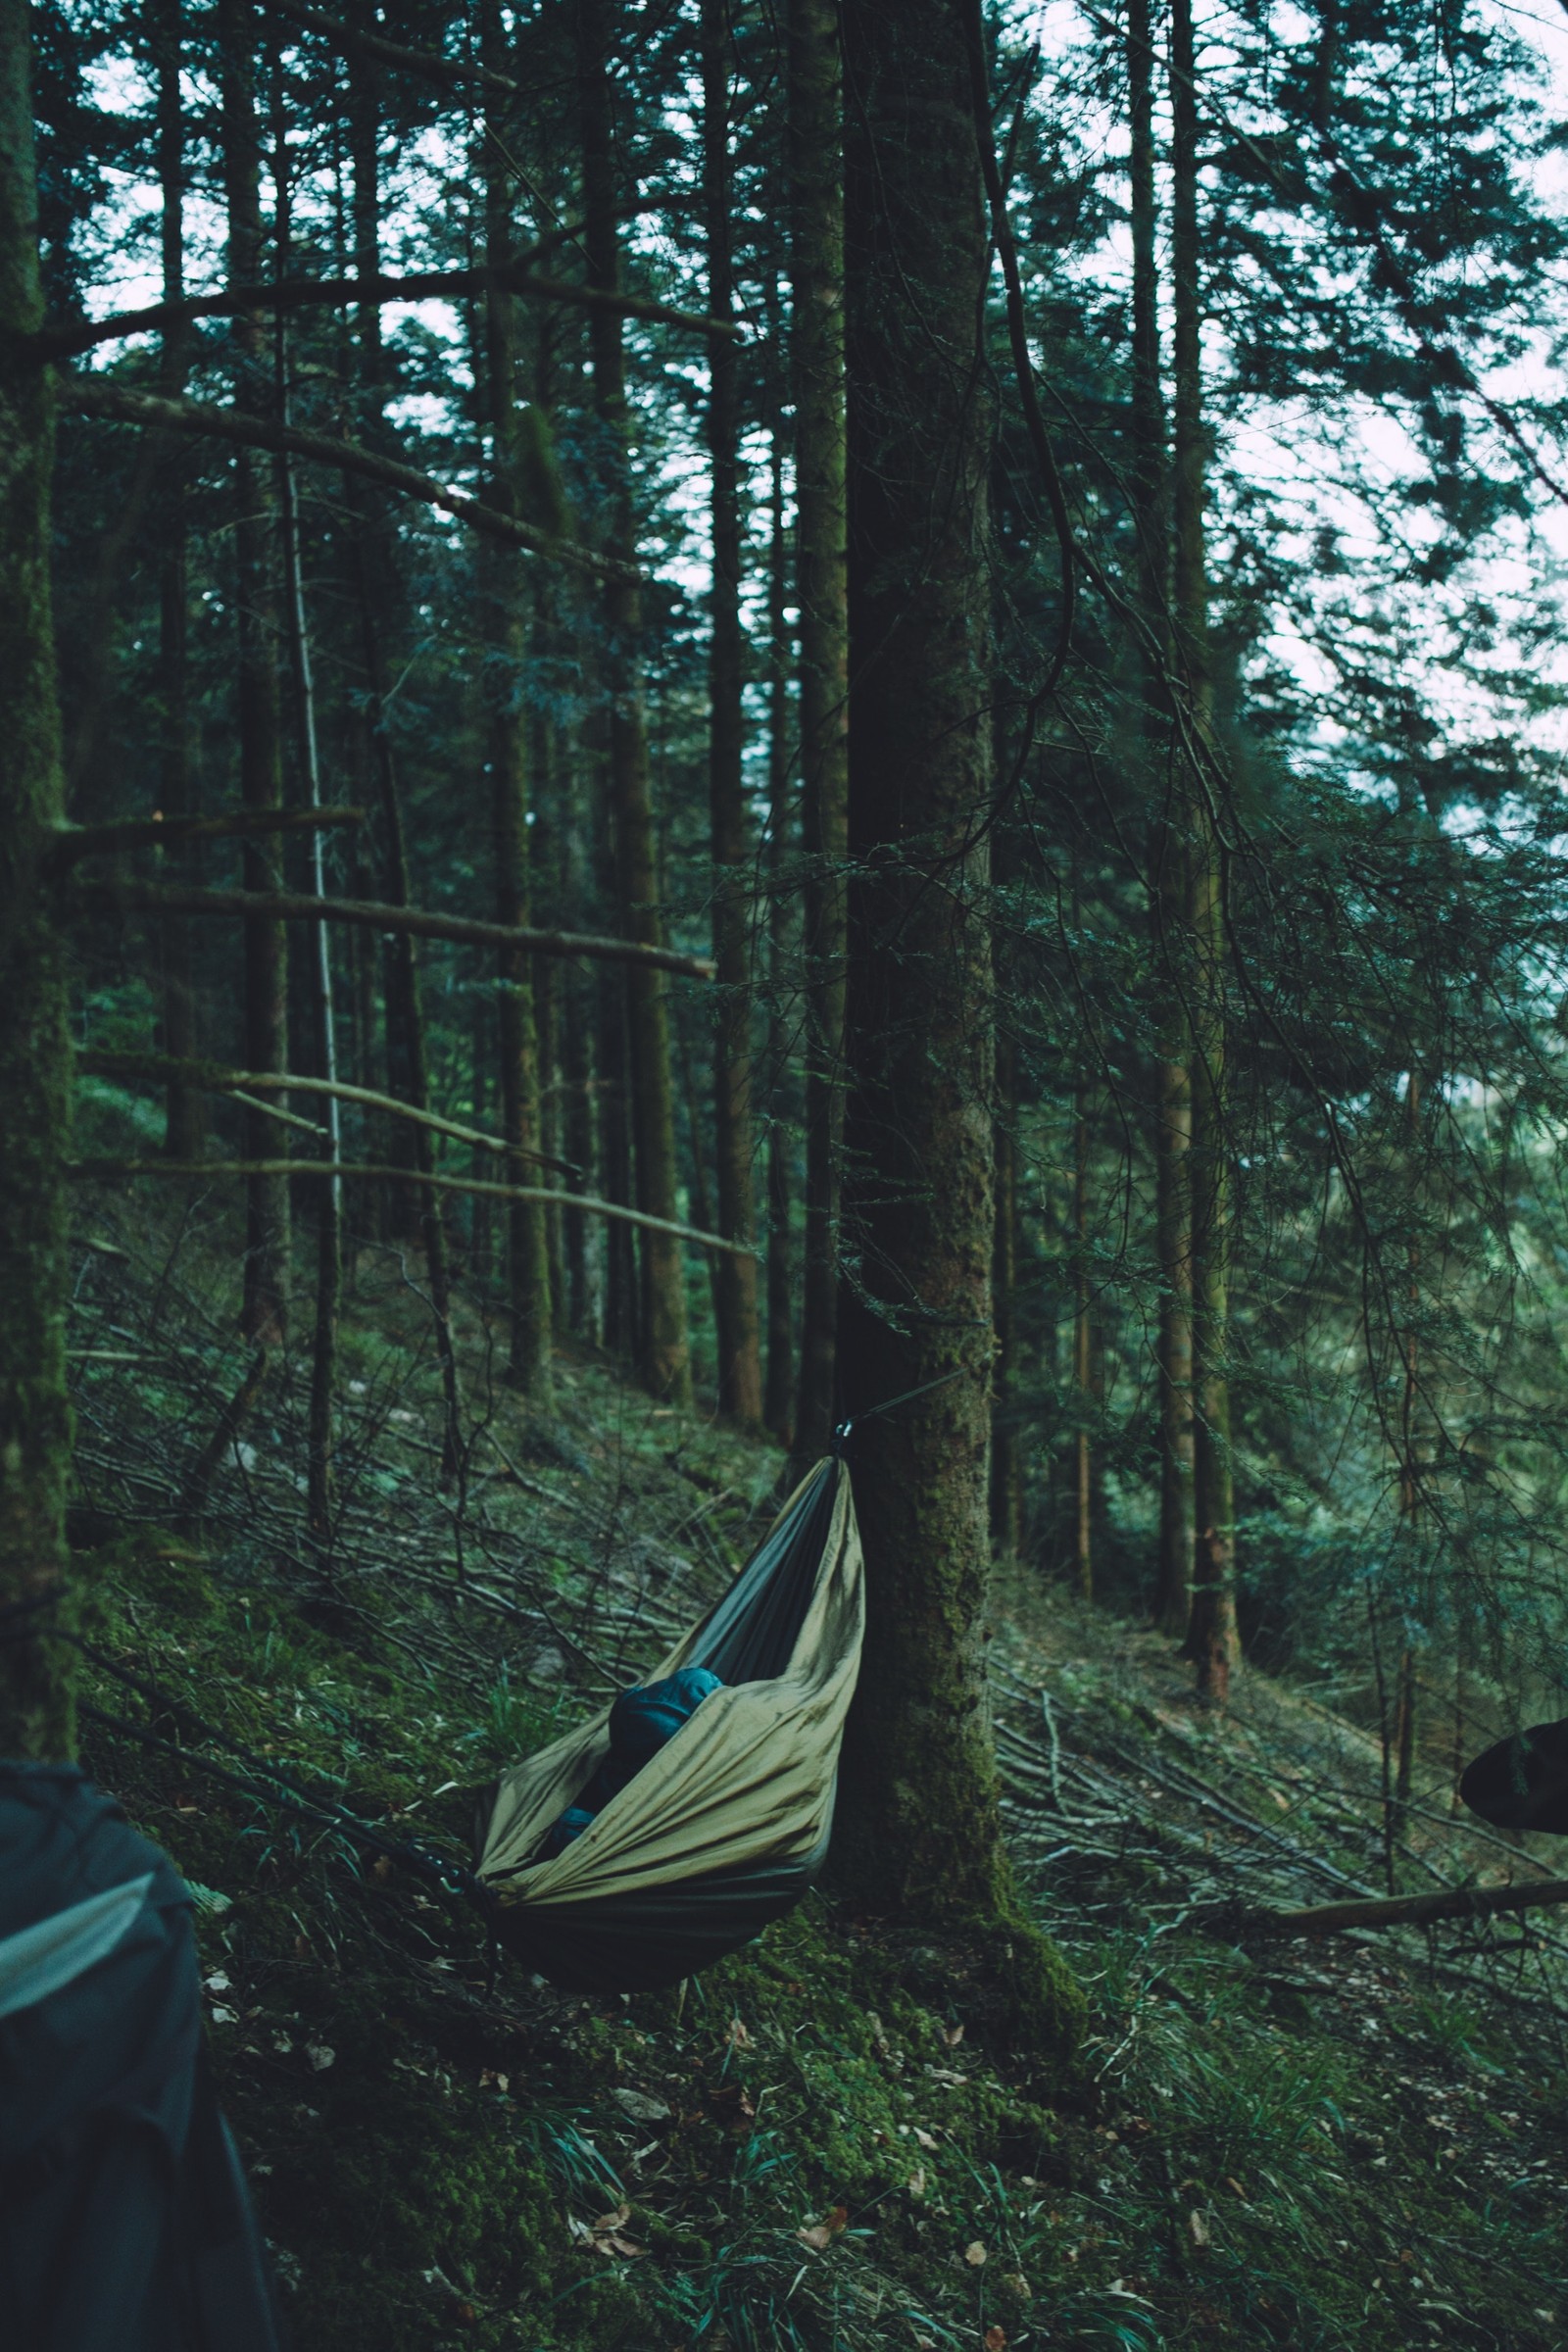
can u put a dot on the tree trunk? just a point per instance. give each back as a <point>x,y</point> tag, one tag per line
<point>778,1402</point>
<point>36,1708</point>
<point>919,1834</point>
<point>816,266</point>
<point>504,639</point>
<point>1211,1632</point>
<point>264,1313</point>
<point>184,1123</point>
<point>1168,860</point>
<point>408,1073</point>
<point>663,1356</point>
<point>1006,1467</point>
<point>1083,1367</point>
<point>738,1338</point>
<point>328,1204</point>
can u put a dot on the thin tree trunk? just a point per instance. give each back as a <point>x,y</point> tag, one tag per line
<point>663,1356</point>
<point>479,1058</point>
<point>35,1706</point>
<point>504,637</point>
<point>737,1337</point>
<point>919,1827</point>
<point>778,1402</point>
<point>184,1120</point>
<point>816,268</point>
<point>319,1496</point>
<point>1083,1365</point>
<point>1211,1632</point>
<point>408,1073</point>
<point>264,1313</point>
<point>1411,1496</point>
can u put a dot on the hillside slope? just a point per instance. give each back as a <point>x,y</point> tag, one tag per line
<point>1359,2142</point>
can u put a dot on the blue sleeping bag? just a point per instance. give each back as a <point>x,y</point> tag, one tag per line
<point>640,1721</point>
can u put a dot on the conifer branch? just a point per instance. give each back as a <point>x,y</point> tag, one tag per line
<point>96,840</point>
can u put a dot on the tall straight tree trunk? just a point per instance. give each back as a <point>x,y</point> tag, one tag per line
<point>1211,1631</point>
<point>502,597</point>
<point>817,267</point>
<point>264,1313</point>
<point>919,1834</point>
<point>778,1402</point>
<point>663,1353</point>
<point>35,1709</point>
<point>1412,1497</point>
<point>738,1337</point>
<point>184,1128</point>
<point>319,1490</point>
<point>1169,908</point>
<point>405,1041</point>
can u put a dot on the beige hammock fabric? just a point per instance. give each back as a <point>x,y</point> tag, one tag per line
<point>747,1781</point>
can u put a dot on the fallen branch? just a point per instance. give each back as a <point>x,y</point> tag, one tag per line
<point>1408,1910</point>
<point>90,396</point>
<point>174,898</point>
<point>93,841</point>
<point>70,341</point>
<point>588,1202</point>
<point>215,1079</point>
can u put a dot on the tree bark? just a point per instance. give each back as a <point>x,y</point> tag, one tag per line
<point>778,1402</point>
<point>1168,894</point>
<point>816,264</point>
<point>919,1827</point>
<point>264,1313</point>
<point>503,643</point>
<point>737,1336</point>
<point>663,1355</point>
<point>35,1705</point>
<point>184,1123</point>
<point>1212,1639</point>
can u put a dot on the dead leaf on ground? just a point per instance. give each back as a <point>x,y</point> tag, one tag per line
<point>821,2234</point>
<point>993,2340</point>
<point>916,2183</point>
<point>320,2056</point>
<point>953,2035</point>
<point>1197,2227</point>
<point>974,2253</point>
<point>738,2037</point>
<point>923,2139</point>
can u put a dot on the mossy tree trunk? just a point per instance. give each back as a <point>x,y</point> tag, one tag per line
<point>35,1713</point>
<point>816,268</point>
<point>919,1836</point>
<point>663,1353</point>
<point>502,638</point>
<point>735,1304</point>
<point>267,1205</point>
<point>1212,1638</point>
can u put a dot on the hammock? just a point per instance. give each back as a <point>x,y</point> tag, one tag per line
<point>1522,1783</point>
<point>728,1825</point>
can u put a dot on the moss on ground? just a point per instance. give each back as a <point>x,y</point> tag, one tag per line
<point>836,2139</point>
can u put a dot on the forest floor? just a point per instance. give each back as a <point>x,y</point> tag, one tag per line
<point>1356,2140</point>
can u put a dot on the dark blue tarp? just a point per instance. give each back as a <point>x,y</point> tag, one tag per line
<point>126,2225</point>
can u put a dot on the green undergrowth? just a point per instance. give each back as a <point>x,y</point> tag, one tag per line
<point>837,2138</point>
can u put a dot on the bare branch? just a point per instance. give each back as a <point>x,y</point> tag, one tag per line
<point>101,1170</point>
<point>426,62</point>
<point>68,341</point>
<point>89,396</point>
<point>93,841</point>
<point>1408,1910</point>
<point>215,1079</point>
<point>173,897</point>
